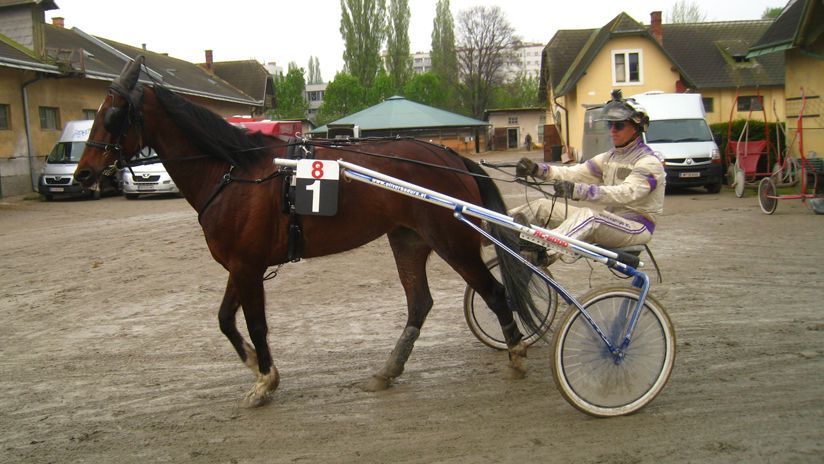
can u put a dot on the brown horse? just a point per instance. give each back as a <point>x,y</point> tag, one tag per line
<point>227,176</point>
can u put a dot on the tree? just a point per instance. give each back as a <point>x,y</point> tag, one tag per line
<point>290,103</point>
<point>398,62</point>
<point>382,88</point>
<point>772,13</point>
<point>485,41</point>
<point>314,71</point>
<point>426,88</point>
<point>684,11</point>
<point>521,92</point>
<point>363,28</point>
<point>343,96</point>
<point>444,57</point>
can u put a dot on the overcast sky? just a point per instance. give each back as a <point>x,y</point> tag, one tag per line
<point>269,31</point>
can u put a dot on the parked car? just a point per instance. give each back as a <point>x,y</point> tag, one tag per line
<point>145,179</point>
<point>57,176</point>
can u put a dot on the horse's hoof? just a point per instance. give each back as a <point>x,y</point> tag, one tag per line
<point>254,400</point>
<point>377,383</point>
<point>513,373</point>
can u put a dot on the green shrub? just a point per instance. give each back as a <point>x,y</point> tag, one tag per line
<point>721,130</point>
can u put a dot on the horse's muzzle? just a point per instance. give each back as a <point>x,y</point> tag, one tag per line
<point>85,176</point>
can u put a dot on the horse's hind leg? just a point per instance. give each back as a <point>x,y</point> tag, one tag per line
<point>226,318</point>
<point>471,267</point>
<point>411,253</point>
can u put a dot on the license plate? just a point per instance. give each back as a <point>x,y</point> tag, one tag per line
<point>56,189</point>
<point>689,174</point>
<point>145,187</point>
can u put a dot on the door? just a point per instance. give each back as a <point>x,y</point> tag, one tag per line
<point>512,138</point>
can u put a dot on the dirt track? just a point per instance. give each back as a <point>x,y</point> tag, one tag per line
<point>110,349</point>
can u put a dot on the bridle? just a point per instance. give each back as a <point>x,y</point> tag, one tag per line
<point>117,120</point>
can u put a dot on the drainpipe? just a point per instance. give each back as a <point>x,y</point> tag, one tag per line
<point>566,121</point>
<point>32,174</point>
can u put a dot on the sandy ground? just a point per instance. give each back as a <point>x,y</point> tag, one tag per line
<point>110,349</point>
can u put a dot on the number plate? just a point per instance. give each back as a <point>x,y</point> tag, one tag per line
<point>145,187</point>
<point>56,189</point>
<point>316,187</point>
<point>689,174</point>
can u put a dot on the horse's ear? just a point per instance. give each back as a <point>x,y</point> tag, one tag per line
<point>128,77</point>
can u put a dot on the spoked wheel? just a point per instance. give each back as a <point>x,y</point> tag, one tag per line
<point>740,182</point>
<point>484,324</point>
<point>588,375</point>
<point>766,195</point>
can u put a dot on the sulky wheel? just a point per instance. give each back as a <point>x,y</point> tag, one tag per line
<point>589,377</point>
<point>484,324</point>
<point>740,182</point>
<point>767,199</point>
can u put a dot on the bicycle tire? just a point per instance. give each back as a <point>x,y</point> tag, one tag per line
<point>585,372</point>
<point>484,324</point>
<point>766,196</point>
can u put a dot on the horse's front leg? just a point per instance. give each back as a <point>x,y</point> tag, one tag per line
<point>227,318</point>
<point>250,295</point>
<point>411,253</point>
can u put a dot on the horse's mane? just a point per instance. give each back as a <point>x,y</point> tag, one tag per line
<point>209,132</point>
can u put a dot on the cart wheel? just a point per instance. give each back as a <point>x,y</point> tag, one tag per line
<point>740,182</point>
<point>766,196</point>
<point>484,324</point>
<point>587,374</point>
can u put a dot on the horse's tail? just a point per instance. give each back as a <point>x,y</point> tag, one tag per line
<point>515,275</point>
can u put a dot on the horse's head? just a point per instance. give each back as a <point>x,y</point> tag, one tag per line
<point>115,135</point>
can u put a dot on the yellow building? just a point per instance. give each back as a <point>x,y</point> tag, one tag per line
<point>582,67</point>
<point>798,35</point>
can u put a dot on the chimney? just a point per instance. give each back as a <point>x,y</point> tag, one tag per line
<point>58,21</point>
<point>209,61</point>
<point>655,26</point>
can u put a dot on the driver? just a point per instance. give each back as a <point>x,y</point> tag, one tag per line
<point>628,181</point>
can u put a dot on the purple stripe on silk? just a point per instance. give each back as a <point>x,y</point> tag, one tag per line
<point>652,182</point>
<point>646,225</point>
<point>594,169</point>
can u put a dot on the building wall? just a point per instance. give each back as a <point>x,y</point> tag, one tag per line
<point>725,107</point>
<point>526,122</point>
<point>805,71</point>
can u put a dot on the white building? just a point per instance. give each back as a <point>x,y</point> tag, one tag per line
<point>313,94</point>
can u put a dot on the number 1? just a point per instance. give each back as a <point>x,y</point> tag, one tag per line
<point>314,187</point>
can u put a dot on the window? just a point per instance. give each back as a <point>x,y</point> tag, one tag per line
<point>708,104</point>
<point>89,114</point>
<point>5,117</point>
<point>626,67</point>
<point>750,103</point>
<point>512,120</point>
<point>49,118</point>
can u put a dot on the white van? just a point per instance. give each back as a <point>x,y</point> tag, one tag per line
<point>679,132</point>
<point>57,177</point>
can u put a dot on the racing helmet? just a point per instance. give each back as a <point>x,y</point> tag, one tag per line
<point>620,109</point>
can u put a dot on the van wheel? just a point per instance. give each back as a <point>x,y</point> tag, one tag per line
<point>713,188</point>
<point>131,196</point>
<point>95,195</point>
<point>48,197</point>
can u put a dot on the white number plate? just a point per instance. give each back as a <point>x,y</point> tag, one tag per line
<point>689,174</point>
<point>145,187</point>
<point>316,187</point>
<point>56,189</point>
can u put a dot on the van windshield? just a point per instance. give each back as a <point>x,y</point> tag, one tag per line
<point>66,152</point>
<point>679,130</point>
